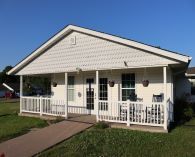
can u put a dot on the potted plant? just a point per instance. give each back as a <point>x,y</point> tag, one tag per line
<point>111,83</point>
<point>54,84</point>
<point>145,83</point>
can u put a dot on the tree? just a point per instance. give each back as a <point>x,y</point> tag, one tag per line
<point>4,78</point>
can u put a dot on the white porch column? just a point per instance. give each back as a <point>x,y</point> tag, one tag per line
<point>21,92</point>
<point>97,96</point>
<point>128,112</point>
<point>66,96</point>
<point>165,96</point>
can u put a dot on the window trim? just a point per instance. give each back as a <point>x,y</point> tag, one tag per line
<point>135,88</point>
<point>71,88</point>
<point>103,91</point>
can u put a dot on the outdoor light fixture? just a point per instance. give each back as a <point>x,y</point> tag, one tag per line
<point>125,63</point>
<point>78,70</point>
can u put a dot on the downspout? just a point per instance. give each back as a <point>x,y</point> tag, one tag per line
<point>183,71</point>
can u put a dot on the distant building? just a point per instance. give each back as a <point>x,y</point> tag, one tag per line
<point>9,90</point>
<point>185,85</point>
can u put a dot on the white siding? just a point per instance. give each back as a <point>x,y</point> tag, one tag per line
<point>58,92</point>
<point>90,53</point>
<point>183,86</point>
<point>154,75</point>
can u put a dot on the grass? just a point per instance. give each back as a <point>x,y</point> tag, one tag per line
<point>12,125</point>
<point>109,142</point>
<point>9,107</point>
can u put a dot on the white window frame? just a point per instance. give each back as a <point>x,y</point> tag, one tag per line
<point>103,91</point>
<point>71,88</point>
<point>121,87</point>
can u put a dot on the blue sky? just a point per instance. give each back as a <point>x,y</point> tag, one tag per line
<point>26,24</point>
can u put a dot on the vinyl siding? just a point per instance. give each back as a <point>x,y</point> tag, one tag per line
<point>90,53</point>
<point>154,75</point>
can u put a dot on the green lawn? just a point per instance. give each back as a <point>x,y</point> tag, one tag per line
<point>12,125</point>
<point>9,107</point>
<point>179,142</point>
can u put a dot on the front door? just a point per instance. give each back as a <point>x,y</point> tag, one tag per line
<point>90,94</point>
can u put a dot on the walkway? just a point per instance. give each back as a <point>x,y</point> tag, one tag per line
<point>36,141</point>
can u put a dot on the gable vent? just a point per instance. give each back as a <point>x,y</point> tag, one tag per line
<point>73,40</point>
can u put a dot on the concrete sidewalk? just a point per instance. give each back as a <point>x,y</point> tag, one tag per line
<point>36,141</point>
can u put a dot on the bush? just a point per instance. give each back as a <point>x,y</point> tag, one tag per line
<point>188,113</point>
<point>183,111</point>
<point>101,125</point>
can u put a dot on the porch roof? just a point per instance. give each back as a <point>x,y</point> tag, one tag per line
<point>165,54</point>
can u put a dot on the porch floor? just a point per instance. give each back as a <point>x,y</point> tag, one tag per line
<point>91,119</point>
<point>83,118</point>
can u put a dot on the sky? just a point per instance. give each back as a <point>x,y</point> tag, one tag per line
<point>26,24</point>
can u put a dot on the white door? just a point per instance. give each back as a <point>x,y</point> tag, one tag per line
<point>90,94</point>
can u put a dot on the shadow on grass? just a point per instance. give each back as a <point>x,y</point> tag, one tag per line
<point>174,125</point>
<point>189,125</point>
<point>3,115</point>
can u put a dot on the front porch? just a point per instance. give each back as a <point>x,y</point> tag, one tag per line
<point>89,94</point>
<point>120,112</point>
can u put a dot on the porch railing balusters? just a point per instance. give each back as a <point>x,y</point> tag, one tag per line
<point>126,112</point>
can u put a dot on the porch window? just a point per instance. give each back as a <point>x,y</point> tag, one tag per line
<point>192,86</point>
<point>128,86</point>
<point>103,93</point>
<point>70,88</point>
<point>103,85</point>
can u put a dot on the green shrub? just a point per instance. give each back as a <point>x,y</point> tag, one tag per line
<point>188,113</point>
<point>101,125</point>
<point>183,111</point>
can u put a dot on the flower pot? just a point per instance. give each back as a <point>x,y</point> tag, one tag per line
<point>111,83</point>
<point>54,84</point>
<point>145,83</point>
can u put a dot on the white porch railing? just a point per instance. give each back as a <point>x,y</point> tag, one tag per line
<point>112,111</point>
<point>47,106</point>
<point>78,109</point>
<point>132,112</point>
<point>30,104</point>
<point>127,112</point>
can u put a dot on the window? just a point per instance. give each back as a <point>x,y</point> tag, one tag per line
<point>103,93</point>
<point>70,88</point>
<point>192,86</point>
<point>103,85</point>
<point>128,86</point>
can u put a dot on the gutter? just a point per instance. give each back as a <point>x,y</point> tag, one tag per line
<point>184,71</point>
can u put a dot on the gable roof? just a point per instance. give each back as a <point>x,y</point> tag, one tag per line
<point>70,28</point>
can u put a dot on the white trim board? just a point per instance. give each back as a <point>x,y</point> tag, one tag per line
<point>69,28</point>
<point>8,87</point>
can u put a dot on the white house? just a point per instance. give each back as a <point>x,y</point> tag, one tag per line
<point>185,85</point>
<point>116,79</point>
<point>9,88</point>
